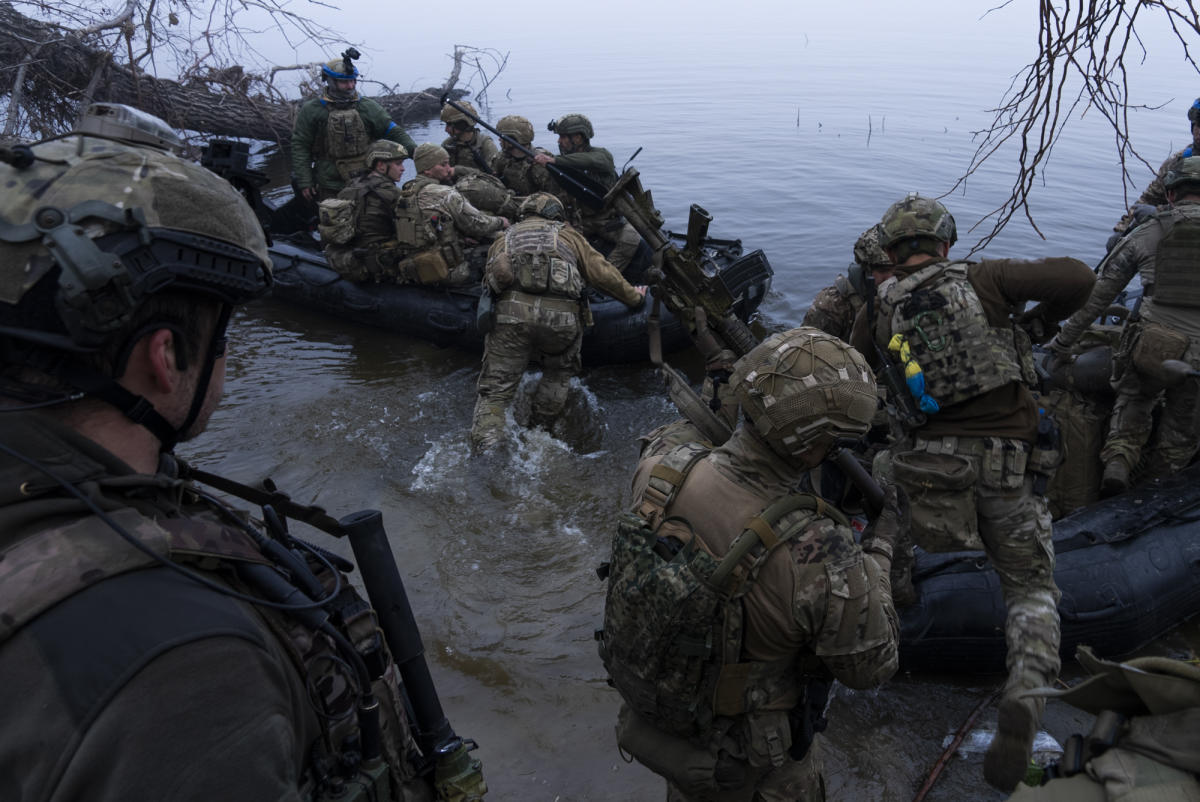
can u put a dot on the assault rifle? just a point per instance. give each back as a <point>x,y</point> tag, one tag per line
<point>456,775</point>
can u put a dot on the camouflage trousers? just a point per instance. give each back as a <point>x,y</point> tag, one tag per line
<point>1178,436</point>
<point>1014,527</point>
<point>527,328</point>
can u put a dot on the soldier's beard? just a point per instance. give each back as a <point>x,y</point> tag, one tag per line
<point>340,95</point>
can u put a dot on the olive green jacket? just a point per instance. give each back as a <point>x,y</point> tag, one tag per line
<point>310,168</point>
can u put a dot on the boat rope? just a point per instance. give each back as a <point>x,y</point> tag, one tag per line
<point>936,771</point>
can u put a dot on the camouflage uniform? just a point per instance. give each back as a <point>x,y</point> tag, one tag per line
<point>1146,740</point>
<point>454,210</point>
<point>1169,317</point>
<point>524,176</point>
<point>100,641</point>
<point>603,227</point>
<point>311,165</point>
<point>819,605</point>
<point>834,309</point>
<point>545,326</point>
<point>374,243</point>
<point>478,154</point>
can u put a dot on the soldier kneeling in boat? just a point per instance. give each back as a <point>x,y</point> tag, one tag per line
<point>538,272</point>
<point>358,228</point>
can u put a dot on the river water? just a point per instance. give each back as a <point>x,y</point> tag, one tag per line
<point>796,139</point>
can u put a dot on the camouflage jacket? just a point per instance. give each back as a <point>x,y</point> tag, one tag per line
<point>310,168</point>
<point>207,696</point>
<point>477,154</point>
<point>819,596</point>
<point>834,308</point>
<point>440,199</point>
<point>1135,255</point>
<point>525,176</point>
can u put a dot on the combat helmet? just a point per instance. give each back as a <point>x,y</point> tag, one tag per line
<point>91,232</point>
<point>803,389</point>
<point>542,204</point>
<point>1194,112</point>
<point>341,69</point>
<point>517,127</point>
<point>384,150</point>
<point>1184,173</point>
<point>453,115</point>
<point>572,124</point>
<point>916,216</point>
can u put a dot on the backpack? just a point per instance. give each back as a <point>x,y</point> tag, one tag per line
<point>336,220</point>
<point>672,636</point>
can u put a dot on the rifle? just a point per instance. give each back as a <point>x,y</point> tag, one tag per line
<point>581,187</point>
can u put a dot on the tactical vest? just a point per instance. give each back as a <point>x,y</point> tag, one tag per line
<point>542,264</point>
<point>40,572</point>
<point>346,141</point>
<point>1177,264</point>
<point>428,241</point>
<point>673,616</point>
<point>938,313</point>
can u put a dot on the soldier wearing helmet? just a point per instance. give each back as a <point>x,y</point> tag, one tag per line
<point>1155,194</point>
<point>368,250</point>
<point>739,720</point>
<point>332,132</point>
<point>1163,252</point>
<point>604,228</point>
<point>463,231</point>
<point>834,308</point>
<point>467,146</point>
<point>136,604</point>
<point>515,167</point>
<point>538,273</point>
<point>973,457</point>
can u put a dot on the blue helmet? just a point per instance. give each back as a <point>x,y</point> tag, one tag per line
<point>1194,111</point>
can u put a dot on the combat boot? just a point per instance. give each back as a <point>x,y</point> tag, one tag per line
<point>1115,479</point>
<point>1008,756</point>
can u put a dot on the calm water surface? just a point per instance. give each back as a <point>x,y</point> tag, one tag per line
<point>796,142</point>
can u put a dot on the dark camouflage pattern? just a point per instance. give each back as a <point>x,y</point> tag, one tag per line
<point>939,314</point>
<point>834,309</point>
<point>868,249</point>
<point>916,216</point>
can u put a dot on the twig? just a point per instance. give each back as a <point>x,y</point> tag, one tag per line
<point>949,751</point>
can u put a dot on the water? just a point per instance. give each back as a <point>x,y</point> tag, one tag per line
<point>796,139</point>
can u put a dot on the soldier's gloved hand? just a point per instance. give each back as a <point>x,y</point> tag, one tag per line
<point>892,522</point>
<point>1036,325</point>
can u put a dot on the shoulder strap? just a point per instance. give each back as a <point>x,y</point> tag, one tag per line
<point>666,478</point>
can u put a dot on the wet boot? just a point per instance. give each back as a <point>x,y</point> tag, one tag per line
<point>1115,479</point>
<point>487,427</point>
<point>1008,756</point>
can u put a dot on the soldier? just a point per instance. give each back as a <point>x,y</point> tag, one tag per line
<point>1155,194</point>
<point>332,133</point>
<point>1145,743</point>
<point>538,272</point>
<point>458,223</point>
<point>467,146</point>
<point>604,228</point>
<point>973,451</point>
<point>733,604</point>
<point>834,309</point>
<point>518,171</point>
<point>367,248</point>
<point>144,649</point>
<point>1163,253</point>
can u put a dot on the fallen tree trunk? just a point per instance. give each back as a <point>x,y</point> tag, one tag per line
<point>50,71</point>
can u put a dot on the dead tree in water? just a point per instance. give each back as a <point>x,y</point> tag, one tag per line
<point>62,55</point>
<point>1084,53</point>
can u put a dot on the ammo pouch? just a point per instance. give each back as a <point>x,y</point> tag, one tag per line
<point>336,218</point>
<point>345,262</point>
<point>1154,343</point>
<point>425,267</point>
<point>693,769</point>
<point>941,494</point>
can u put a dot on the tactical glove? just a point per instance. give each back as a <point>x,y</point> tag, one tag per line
<point>891,526</point>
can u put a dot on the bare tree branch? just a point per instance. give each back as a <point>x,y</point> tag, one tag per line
<point>1086,44</point>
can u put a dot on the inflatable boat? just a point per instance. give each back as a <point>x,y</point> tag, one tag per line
<point>446,316</point>
<point>1128,568</point>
